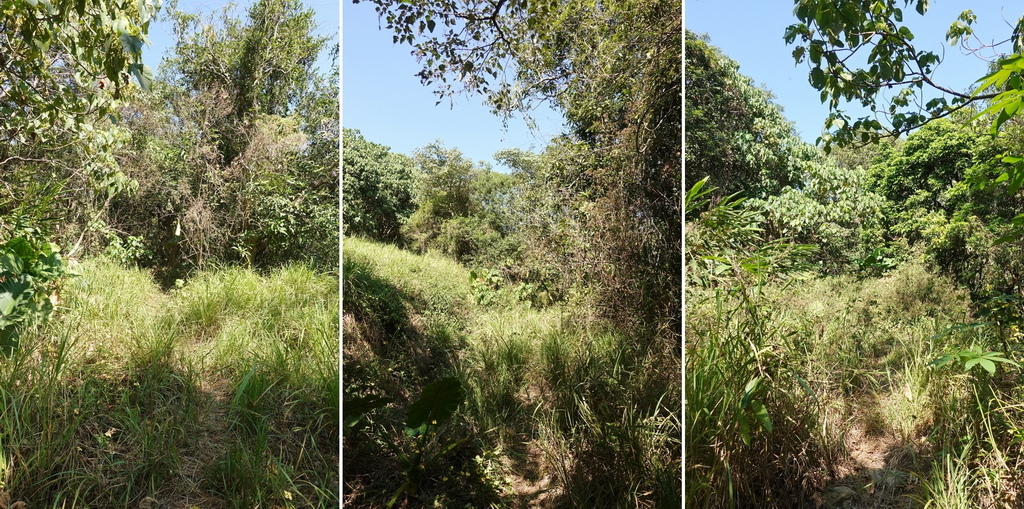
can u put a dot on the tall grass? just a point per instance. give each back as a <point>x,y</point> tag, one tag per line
<point>131,392</point>
<point>865,385</point>
<point>561,410</point>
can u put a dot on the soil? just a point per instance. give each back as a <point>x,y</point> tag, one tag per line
<point>875,473</point>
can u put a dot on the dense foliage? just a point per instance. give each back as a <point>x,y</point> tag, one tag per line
<point>829,33</point>
<point>614,70</point>
<point>734,133</point>
<point>229,171</point>
<point>65,66</point>
<point>569,347</point>
<point>862,313</point>
<point>220,388</point>
<point>378,187</point>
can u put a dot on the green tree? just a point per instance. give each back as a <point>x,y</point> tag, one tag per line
<point>614,69</point>
<point>378,189</point>
<point>263,66</point>
<point>895,81</point>
<point>550,204</point>
<point>929,163</point>
<point>443,191</point>
<point>831,208</point>
<point>63,68</point>
<point>235,161</point>
<point>734,133</point>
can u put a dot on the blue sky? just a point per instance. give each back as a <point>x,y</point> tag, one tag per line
<point>384,100</point>
<point>750,32</point>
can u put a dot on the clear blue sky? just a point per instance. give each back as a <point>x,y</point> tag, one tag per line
<point>384,100</point>
<point>750,32</point>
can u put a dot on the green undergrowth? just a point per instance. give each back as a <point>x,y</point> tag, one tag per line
<point>220,393</point>
<point>559,410</point>
<point>880,385</point>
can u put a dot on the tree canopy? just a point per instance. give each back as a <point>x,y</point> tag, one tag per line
<point>863,51</point>
<point>614,70</point>
<point>378,189</point>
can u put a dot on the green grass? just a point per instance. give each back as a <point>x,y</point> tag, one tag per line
<point>846,375</point>
<point>561,410</point>
<point>223,393</point>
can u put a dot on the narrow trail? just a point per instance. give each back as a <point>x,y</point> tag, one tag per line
<point>876,470</point>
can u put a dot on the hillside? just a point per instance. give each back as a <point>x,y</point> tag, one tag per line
<point>555,408</point>
<point>222,392</point>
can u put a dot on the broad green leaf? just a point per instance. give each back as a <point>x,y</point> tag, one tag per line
<point>355,408</point>
<point>1018,180</point>
<point>437,403</point>
<point>1013,237</point>
<point>11,263</point>
<point>744,423</point>
<point>22,247</point>
<point>131,43</point>
<point>985,363</point>
<point>143,74</point>
<point>7,303</point>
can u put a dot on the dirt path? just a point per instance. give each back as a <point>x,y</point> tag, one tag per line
<point>875,473</point>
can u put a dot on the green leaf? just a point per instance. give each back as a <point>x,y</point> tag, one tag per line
<point>744,423</point>
<point>1018,179</point>
<point>1013,237</point>
<point>749,390</point>
<point>762,415</point>
<point>7,303</point>
<point>131,44</point>
<point>817,78</point>
<point>143,74</point>
<point>437,403</point>
<point>11,263</point>
<point>354,409</point>
<point>985,363</point>
<point>942,361</point>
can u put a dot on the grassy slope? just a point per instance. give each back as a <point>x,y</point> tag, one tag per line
<point>883,420</point>
<point>222,393</point>
<point>560,410</point>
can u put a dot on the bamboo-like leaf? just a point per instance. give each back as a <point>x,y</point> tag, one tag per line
<point>762,415</point>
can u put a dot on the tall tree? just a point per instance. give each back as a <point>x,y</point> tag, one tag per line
<point>262,66</point>
<point>63,67</point>
<point>735,134</point>
<point>614,69</point>
<point>378,189</point>
<point>236,152</point>
<point>443,191</point>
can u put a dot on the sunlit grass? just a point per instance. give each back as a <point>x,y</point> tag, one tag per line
<point>131,392</point>
<point>559,410</point>
<point>849,367</point>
